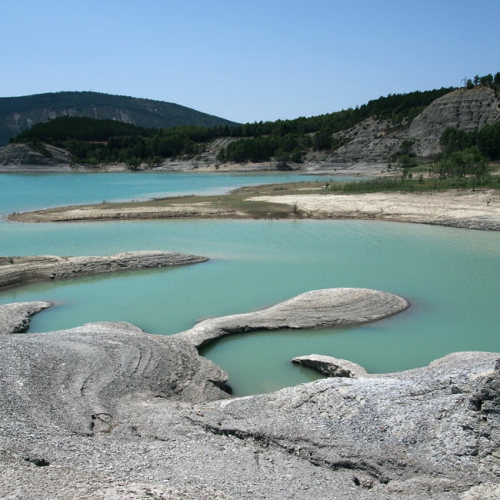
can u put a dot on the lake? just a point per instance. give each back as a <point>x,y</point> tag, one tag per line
<point>450,276</point>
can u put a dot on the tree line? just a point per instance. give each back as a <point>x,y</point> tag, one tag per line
<point>469,153</point>
<point>95,141</point>
<point>484,81</point>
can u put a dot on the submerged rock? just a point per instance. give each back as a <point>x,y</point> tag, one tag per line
<point>330,366</point>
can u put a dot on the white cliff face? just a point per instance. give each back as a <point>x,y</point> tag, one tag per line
<point>464,109</point>
<point>375,140</point>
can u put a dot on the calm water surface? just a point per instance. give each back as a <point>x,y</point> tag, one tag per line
<point>451,277</point>
<point>21,192</point>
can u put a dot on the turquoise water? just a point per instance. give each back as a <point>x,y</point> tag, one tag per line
<point>451,277</point>
<point>21,192</point>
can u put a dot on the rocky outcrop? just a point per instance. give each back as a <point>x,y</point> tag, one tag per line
<point>370,141</point>
<point>315,309</point>
<point>15,155</point>
<point>15,271</point>
<point>377,141</point>
<point>76,379</point>
<point>107,410</point>
<point>464,109</point>
<point>330,366</point>
<point>15,318</point>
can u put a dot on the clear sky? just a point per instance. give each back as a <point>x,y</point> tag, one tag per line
<point>247,60</point>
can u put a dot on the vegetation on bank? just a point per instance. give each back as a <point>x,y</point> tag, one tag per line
<point>97,141</point>
<point>92,142</point>
<point>407,184</point>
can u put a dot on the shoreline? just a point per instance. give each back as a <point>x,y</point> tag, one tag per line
<point>355,169</point>
<point>478,209</point>
<point>146,407</point>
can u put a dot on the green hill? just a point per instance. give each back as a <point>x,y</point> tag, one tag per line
<point>20,113</point>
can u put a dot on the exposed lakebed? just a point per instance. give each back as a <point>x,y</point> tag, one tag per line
<point>451,277</point>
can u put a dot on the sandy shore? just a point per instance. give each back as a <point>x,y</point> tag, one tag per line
<point>467,209</point>
<point>474,209</point>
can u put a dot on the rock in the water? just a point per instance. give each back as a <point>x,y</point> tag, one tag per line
<point>330,366</point>
<point>15,318</point>
<point>15,271</point>
<point>315,309</point>
<point>106,410</point>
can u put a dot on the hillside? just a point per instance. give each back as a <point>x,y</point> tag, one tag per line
<point>399,130</point>
<point>20,113</point>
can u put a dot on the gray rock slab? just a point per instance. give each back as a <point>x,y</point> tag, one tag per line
<point>15,318</point>
<point>315,309</point>
<point>330,366</point>
<point>15,271</point>
<point>108,411</point>
<point>75,378</point>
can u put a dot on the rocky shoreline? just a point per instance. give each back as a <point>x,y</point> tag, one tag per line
<point>16,271</point>
<point>469,209</point>
<point>108,411</point>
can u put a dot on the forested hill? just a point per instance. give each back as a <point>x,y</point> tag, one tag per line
<point>398,128</point>
<point>20,113</point>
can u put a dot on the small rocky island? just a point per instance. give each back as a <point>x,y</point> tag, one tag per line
<point>108,411</point>
<point>16,271</point>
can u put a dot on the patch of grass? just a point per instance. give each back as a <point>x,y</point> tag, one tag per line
<point>384,184</point>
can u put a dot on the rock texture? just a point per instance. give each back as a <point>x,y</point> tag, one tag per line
<point>16,271</point>
<point>107,411</point>
<point>15,318</point>
<point>15,155</point>
<point>478,209</point>
<point>76,379</point>
<point>376,141</point>
<point>464,109</point>
<point>330,366</point>
<point>315,309</point>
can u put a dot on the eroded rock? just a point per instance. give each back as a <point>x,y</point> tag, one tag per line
<point>15,318</point>
<point>15,271</point>
<point>106,409</point>
<point>315,309</point>
<point>330,366</point>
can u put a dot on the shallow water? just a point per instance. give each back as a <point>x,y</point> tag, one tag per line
<point>451,277</point>
<point>21,192</point>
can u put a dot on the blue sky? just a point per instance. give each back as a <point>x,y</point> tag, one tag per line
<point>246,60</point>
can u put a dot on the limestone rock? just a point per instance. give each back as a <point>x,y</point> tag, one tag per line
<point>15,318</point>
<point>76,378</point>
<point>16,155</point>
<point>330,366</point>
<point>314,309</point>
<point>15,271</point>
<point>376,141</point>
<point>464,109</point>
<point>106,410</point>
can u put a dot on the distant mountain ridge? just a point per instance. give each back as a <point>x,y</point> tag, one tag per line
<point>20,113</point>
